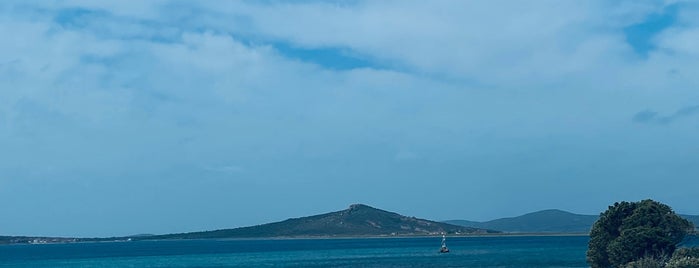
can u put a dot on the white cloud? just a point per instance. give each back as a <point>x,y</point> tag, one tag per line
<point>473,56</point>
<point>684,41</point>
<point>161,90</point>
<point>459,39</point>
<point>137,9</point>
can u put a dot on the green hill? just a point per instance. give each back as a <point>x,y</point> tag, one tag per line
<point>545,221</point>
<point>693,218</point>
<point>357,220</point>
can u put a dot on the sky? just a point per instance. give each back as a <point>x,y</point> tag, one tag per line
<point>131,117</point>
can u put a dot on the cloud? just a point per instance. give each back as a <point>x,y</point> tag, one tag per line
<point>557,38</point>
<point>645,116</point>
<point>641,35</point>
<point>84,88</point>
<point>651,117</point>
<point>251,70</point>
<point>159,93</point>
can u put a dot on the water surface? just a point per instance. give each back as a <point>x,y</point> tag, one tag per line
<point>510,251</point>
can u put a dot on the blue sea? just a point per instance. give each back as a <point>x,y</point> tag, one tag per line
<point>508,251</point>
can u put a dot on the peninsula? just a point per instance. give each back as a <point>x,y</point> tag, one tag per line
<point>356,221</point>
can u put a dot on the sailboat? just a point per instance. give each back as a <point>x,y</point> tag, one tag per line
<point>444,248</point>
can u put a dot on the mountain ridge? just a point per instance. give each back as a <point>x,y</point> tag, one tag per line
<point>369,221</point>
<point>545,221</point>
<point>357,220</point>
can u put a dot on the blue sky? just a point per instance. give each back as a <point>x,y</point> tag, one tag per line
<point>126,117</point>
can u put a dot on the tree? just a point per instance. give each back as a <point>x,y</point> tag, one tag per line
<point>629,231</point>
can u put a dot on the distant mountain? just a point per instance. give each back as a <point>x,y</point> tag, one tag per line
<point>693,218</point>
<point>545,221</point>
<point>363,220</point>
<point>357,220</point>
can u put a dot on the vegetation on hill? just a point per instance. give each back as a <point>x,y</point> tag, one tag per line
<point>692,218</point>
<point>362,220</point>
<point>357,220</point>
<point>634,233</point>
<point>545,221</point>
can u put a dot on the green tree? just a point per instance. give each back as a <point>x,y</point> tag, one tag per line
<point>629,231</point>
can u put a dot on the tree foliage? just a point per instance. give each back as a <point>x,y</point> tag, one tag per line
<point>629,231</point>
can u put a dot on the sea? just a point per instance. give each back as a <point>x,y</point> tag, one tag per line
<point>485,251</point>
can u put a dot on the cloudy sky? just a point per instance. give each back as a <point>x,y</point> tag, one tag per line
<point>126,117</point>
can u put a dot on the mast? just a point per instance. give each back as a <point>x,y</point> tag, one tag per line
<point>444,248</point>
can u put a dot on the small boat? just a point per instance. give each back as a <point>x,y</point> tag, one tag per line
<point>444,248</point>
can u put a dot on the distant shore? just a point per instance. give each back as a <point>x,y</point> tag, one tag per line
<point>381,236</point>
<point>25,240</point>
<point>389,236</point>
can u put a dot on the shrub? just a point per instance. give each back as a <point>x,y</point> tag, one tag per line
<point>684,258</point>
<point>631,231</point>
<point>646,262</point>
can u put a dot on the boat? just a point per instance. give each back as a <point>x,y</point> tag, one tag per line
<point>444,248</point>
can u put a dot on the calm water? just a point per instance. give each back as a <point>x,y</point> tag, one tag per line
<point>528,251</point>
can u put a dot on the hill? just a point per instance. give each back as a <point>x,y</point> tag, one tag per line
<point>693,218</point>
<point>545,221</point>
<point>357,220</point>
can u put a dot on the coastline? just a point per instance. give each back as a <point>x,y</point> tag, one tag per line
<point>379,236</point>
<point>131,239</point>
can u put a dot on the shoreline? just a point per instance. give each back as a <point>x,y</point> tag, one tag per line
<point>126,240</point>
